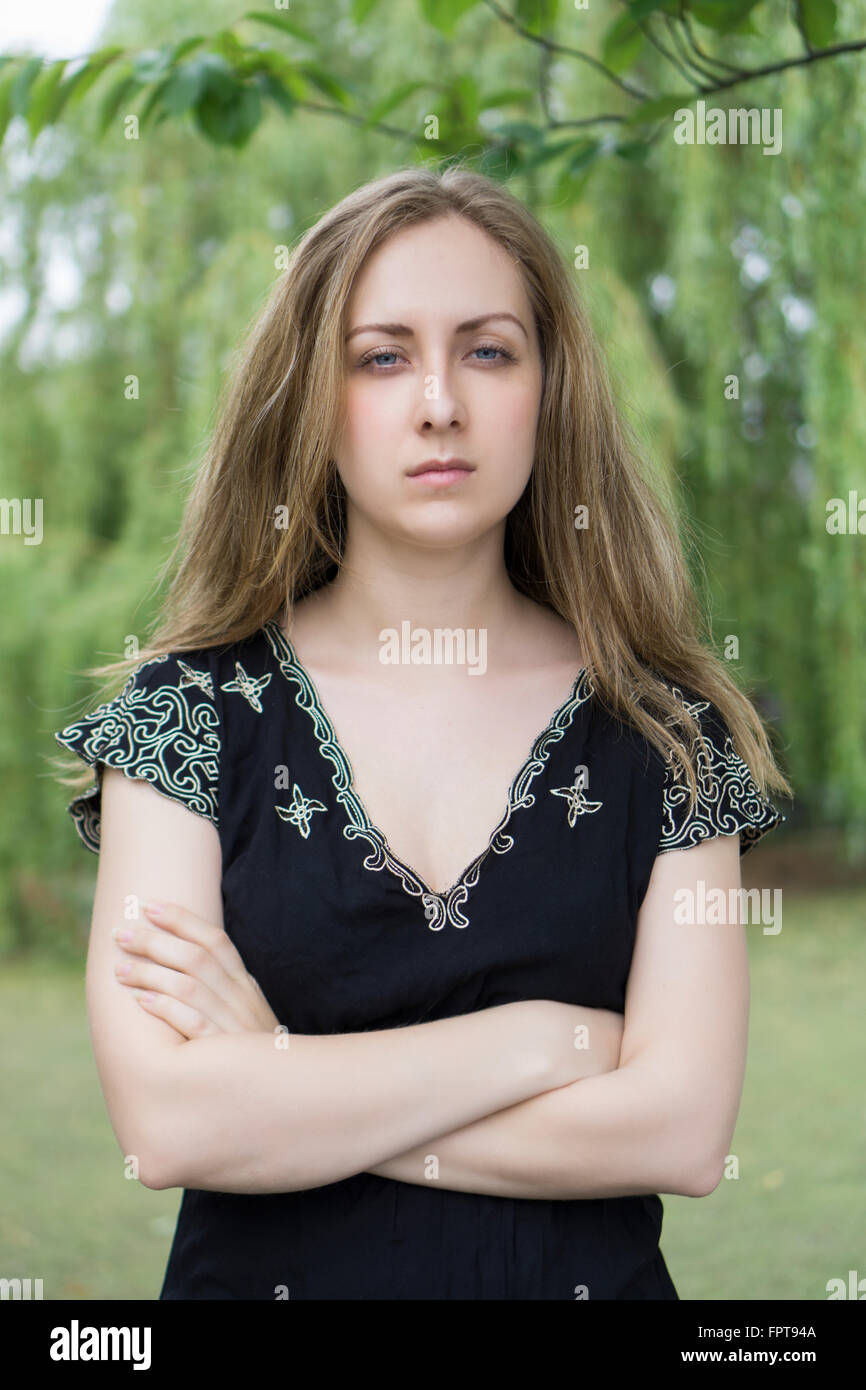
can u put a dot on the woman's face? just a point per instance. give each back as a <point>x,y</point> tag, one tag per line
<point>423,382</point>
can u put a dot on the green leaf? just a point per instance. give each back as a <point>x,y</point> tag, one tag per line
<point>6,84</point>
<point>571,183</point>
<point>537,15</point>
<point>585,152</point>
<point>25,77</point>
<point>152,64</point>
<point>229,120</point>
<point>186,46</point>
<point>546,153</point>
<point>284,70</point>
<point>76,86</point>
<point>325,82</point>
<point>286,26</point>
<point>444,14</point>
<point>635,151</point>
<point>499,162</point>
<point>642,9</point>
<point>725,16</point>
<point>274,89</point>
<point>42,96</point>
<point>816,20</point>
<point>657,108</point>
<point>519,130</point>
<point>183,87</point>
<point>218,77</point>
<point>154,111</point>
<point>621,44</point>
<point>125,84</point>
<point>390,103</point>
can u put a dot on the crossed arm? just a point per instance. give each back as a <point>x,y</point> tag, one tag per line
<point>671,1104</point>
<point>660,1121</point>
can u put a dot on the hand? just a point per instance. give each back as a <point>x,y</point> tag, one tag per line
<point>198,981</point>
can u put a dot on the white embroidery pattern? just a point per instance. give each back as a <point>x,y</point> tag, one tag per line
<point>202,679</point>
<point>155,734</point>
<point>439,908</point>
<point>300,811</point>
<point>728,800</point>
<point>250,687</point>
<point>576,798</point>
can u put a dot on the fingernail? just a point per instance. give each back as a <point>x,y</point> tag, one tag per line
<point>147,998</point>
<point>156,909</point>
<point>121,933</point>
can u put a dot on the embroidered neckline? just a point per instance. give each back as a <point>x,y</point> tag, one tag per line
<point>439,907</point>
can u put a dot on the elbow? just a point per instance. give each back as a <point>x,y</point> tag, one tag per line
<point>151,1167</point>
<point>703,1175</point>
<point>147,1160</point>
<point>157,1176</point>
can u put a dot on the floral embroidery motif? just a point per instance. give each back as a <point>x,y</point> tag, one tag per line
<point>202,679</point>
<point>576,797</point>
<point>728,800</point>
<point>250,687</point>
<point>154,733</point>
<point>439,908</point>
<point>300,811</point>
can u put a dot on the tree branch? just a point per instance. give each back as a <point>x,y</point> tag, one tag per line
<point>646,29</point>
<point>814,56</point>
<point>707,57</point>
<point>553,47</point>
<point>680,43</point>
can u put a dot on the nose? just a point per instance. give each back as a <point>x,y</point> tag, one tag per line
<point>439,403</point>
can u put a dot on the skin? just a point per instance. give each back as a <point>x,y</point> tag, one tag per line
<point>654,1108</point>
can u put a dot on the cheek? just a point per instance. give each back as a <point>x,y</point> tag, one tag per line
<point>515,415</point>
<point>368,415</point>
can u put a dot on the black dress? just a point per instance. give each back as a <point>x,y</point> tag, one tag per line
<point>343,937</point>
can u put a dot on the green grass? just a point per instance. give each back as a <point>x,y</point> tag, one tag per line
<point>796,1215</point>
<point>794,1218</point>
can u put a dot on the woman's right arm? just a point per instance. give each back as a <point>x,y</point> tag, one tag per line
<point>243,1112</point>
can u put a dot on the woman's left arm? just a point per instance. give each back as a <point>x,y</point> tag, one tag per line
<point>662,1121</point>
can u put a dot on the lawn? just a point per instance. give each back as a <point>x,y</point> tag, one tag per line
<point>793,1218</point>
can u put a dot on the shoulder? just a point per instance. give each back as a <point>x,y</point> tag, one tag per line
<point>729,801</point>
<point>166,726</point>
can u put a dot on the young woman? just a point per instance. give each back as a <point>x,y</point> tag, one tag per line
<point>437,755</point>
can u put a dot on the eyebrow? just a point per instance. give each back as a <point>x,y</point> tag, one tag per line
<point>401,330</point>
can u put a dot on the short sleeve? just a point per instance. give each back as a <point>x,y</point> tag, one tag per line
<point>728,801</point>
<point>162,728</point>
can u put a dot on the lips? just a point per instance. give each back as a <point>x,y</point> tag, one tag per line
<point>441,466</point>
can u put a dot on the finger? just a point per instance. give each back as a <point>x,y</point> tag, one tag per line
<point>165,948</point>
<point>185,1020</point>
<point>144,975</point>
<point>189,925</point>
<point>190,965</point>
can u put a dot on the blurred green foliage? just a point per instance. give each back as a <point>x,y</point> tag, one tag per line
<point>149,257</point>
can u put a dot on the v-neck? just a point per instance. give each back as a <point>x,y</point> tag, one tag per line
<point>439,906</point>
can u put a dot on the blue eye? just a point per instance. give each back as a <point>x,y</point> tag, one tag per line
<point>373,359</point>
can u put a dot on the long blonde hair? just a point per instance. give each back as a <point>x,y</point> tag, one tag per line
<point>622,582</point>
